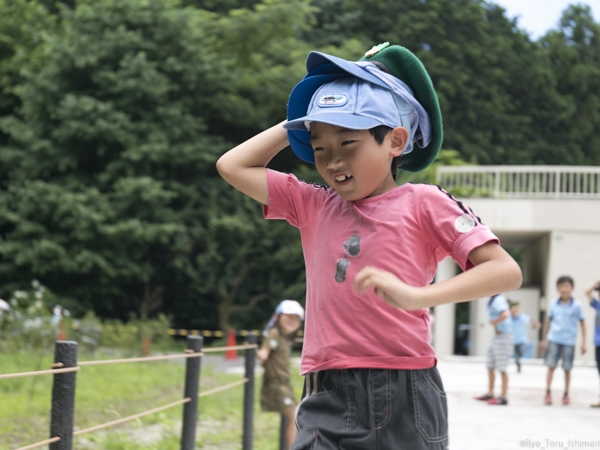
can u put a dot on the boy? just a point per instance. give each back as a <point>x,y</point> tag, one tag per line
<point>371,248</point>
<point>595,303</point>
<point>560,334</point>
<point>519,327</point>
<point>499,349</point>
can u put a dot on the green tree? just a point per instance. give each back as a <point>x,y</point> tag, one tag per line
<point>22,24</point>
<point>574,53</point>
<point>113,194</point>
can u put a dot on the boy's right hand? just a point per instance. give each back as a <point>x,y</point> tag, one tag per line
<point>543,347</point>
<point>388,287</point>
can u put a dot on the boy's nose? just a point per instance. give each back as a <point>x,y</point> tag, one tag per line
<point>335,161</point>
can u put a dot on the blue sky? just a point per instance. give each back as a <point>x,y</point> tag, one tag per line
<point>538,16</point>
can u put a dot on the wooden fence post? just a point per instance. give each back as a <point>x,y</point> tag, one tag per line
<point>192,382</point>
<point>63,396</point>
<point>250,361</point>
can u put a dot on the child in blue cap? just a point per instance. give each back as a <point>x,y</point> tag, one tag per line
<point>371,248</point>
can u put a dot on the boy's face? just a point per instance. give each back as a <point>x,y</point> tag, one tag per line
<point>565,289</point>
<point>514,311</point>
<point>352,162</point>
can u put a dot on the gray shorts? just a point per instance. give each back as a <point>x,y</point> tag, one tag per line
<point>555,351</point>
<point>499,351</point>
<point>372,409</point>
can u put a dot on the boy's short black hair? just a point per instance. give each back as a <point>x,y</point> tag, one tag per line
<point>565,279</point>
<point>379,133</point>
<point>512,303</point>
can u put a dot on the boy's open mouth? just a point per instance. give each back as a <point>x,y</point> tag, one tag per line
<point>342,178</point>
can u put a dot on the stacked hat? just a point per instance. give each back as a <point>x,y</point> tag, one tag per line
<point>398,87</point>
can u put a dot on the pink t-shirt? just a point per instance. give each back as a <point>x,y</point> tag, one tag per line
<point>406,231</point>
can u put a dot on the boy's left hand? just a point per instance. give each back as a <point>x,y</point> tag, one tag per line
<point>388,287</point>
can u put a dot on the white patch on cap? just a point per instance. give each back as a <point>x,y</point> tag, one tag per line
<point>287,401</point>
<point>332,100</point>
<point>464,223</point>
<point>273,343</point>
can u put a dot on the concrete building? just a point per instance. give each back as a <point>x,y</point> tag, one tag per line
<point>548,215</point>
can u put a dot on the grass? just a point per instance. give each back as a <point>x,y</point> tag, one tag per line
<point>108,392</point>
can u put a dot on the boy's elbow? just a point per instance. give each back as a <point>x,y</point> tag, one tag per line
<point>224,166</point>
<point>221,165</point>
<point>514,274</point>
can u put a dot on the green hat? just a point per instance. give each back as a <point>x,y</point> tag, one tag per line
<point>402,63</point>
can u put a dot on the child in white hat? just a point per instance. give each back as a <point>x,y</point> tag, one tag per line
<point>277,394</point>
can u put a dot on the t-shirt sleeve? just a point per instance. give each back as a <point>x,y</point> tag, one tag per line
<point>525,318</point>
<point>452,226</point>
<point>501,304</point>
<point>291,199</point>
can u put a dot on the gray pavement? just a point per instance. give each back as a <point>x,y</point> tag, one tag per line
<point>526,423</point>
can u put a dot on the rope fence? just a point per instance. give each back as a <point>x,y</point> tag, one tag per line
<point>63,392</point>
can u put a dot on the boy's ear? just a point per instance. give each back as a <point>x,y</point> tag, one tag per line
<point>399,138</point>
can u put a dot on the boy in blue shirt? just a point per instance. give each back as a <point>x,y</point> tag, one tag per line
<point>560,335</point>
<point>499,350</point>
<point>595,303</point>
<point>519,325</point>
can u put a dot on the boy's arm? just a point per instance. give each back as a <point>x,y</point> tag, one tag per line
<point>244,166</point>
<point>503,315</point>
<point>582,322</point>
<point>591,289</point>
<point>544,334</point>
<point>494,271</point>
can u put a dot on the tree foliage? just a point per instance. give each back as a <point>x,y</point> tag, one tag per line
<point>113,198</point>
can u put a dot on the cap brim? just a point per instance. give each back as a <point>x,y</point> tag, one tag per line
<point>345,120</point>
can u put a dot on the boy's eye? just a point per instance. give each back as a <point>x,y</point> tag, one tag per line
<point>318,149</point>
<point>347,142</point>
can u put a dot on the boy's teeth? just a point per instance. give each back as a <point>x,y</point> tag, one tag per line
<point>341,178</point>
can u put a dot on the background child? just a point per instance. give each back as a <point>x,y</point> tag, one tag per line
<point>371,248</point>
<point>595,303</point>
<point>276,394</point>
<point>519,328</point>
<point>499,350</point>
<point>560,334</point>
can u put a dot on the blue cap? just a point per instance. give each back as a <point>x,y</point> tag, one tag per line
<point>350,103</point>
<point>354,95</point>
